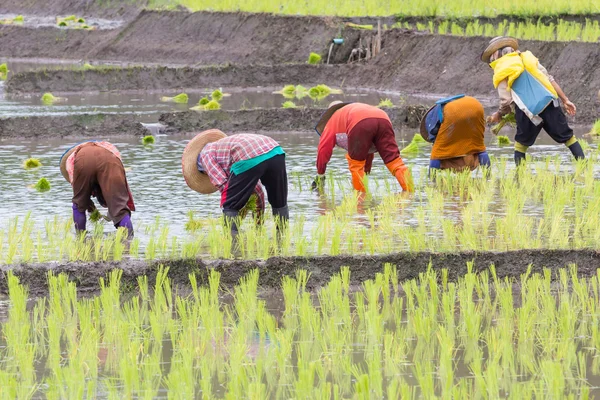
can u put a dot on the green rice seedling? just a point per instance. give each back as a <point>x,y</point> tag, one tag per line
<point>385,103</point>
<point>3,71</point>
<point>70,18</point>
<point>18,19</point>
<point>321,91</point>
<point>181,98</point>
<point>300,92</point>
<point>49,99</point>
<point>506,119</point>
<point>42,185</point>
<point>217,95</point>
<point>288,91</point>
<point>212,105</point>
<point>413,146</point>
<point>148,140</point>
<point>81,20</point>
<point>595,131</point>
<point>203,101</point>
<point>503,140</point>
<point>357,26</point>
<point>32,163</point>
<point>314,58</point>
<point>62,24</point>
<point>288,104</point>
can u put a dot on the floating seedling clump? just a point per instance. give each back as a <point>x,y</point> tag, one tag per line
<point>319,92</point>
<point>32,163</point>
<point>385,103</point>
<point>216,95</point>
<point>181,98</point>
<point>148,140</point>
<point>314,58</point>
<point>42,185</point>
<point>49,99</point>
<point>414,145</point>
<point>288,104</point>
<point>203,101</point>
<point>212,105</point>
<point>3,71</point>
<point>503,140</point>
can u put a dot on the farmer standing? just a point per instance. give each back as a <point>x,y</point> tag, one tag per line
<point>361,130</point>
<point>522,80</point>
<point>456,127</point>
<point>238,166</point>
<point>95,169</point>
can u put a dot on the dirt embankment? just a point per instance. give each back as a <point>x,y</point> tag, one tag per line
<point>409,265</point>
<point>121,9</point>
<point>272,119</point>
<point>86,125</point>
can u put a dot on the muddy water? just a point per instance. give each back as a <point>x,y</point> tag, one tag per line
<point>154,174</point>
<point>36,21</point>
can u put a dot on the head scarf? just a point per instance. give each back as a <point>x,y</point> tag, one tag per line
<point>500,53</point>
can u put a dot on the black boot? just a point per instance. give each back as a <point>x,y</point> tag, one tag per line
<point>231,221</point>
<point>519,158</point>
<point>577,151</point>
<point>282,215</point>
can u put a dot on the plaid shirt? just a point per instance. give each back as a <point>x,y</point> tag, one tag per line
<point>218,157</point>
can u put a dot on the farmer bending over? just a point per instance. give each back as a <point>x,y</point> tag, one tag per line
<point>238,166</point>
<point>456,126</point>
<point>362,130</point>
<point>522,80</point>
<point>95,169</point>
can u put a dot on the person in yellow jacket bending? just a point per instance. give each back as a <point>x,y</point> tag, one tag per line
<point>362,130</point>
<point>521,80</point>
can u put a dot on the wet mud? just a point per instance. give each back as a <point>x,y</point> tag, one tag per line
<point>507,264</point>
<point>84,126</point>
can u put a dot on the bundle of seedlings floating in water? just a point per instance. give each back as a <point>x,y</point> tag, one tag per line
<point>72,21</point>
<point>506,119</point>
<point>212,105</point>
<point>148,140</point>
<point>49,99</point>
<point>291,91</point>
<point>503,140</point>
<point>415,144</point>
<point>385,103</point>
<point>319,92</point>
<point>288,104</point>
<point>32,163</point>
<point>42,185</point>
<point>181,98</point>
<point>3,71</point>
<point>314,58</point>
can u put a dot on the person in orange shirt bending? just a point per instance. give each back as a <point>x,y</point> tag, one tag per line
<point>362,130</point>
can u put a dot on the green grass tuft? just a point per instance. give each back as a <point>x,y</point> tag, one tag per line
<point>203,101</point>
<point>148,140</point>
<point>43,185</point>
<point>32,163</point>
<point>181,98</point>
<point>212,105</point>
<point>387,103</point>
<point>216,95</point>
<point>314,58</point>
<point>503,140</point>
<point>288,104</point>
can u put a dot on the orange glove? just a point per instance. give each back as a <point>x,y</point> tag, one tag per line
<point>357,169</point>
<point>402,174</point>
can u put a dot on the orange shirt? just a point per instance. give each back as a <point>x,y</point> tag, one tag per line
<point>342,122</point>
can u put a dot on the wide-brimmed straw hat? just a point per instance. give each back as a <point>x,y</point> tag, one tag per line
<point>423,129</point>
<point>63,161</point>
<point>498,43</point>
<point>195,179</point>
<point>333,107</point>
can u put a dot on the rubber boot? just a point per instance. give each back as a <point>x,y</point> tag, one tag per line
<point>126,223</point>
<point>402,174</point>
<point>577,151</point>
<point>357,169</point>
<point>281,215</point>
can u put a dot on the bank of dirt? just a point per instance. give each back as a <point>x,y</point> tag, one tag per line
<point>271,119</point>
<point>410,62</point>
<point>84,126</point>
<point>122,9</point>
<point>507,264</point>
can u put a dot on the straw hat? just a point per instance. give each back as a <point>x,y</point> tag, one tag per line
<point>498,43</point>
<point>333,107</point>
<point>195,179</point>
<point>423,129</point>
<point>63,161</point>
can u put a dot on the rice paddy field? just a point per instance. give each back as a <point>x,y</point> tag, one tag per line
<point>361,296</point>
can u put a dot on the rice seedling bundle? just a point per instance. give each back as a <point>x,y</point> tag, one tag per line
<point>595,131</point>
<point>181,98</point>
<point>385,103</point>
<point>288,104</point>
<point>32,163</point>
<point>3,71</point>
<point>503,140</point>
<point>314,58</point>
<point>203,101</point>
<point>147,140</point>
<point>49,99</point>
<point>217,95</point>
<point>42,185</point>
<point>212,105</point>
<point>506,119</point>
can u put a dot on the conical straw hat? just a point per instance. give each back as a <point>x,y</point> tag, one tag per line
<point>195,179</point>
<point>63,161</point>
<point>498,43</point>
<point>333,107</point>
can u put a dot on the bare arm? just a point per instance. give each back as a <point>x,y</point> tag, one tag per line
<point>570,107</point>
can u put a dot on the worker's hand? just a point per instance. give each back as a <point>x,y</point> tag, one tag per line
<point>494,118</point>
<point>570,107</point>
<point>319,183</point>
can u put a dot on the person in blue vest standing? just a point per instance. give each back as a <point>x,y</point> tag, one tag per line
<point>521,80</point>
